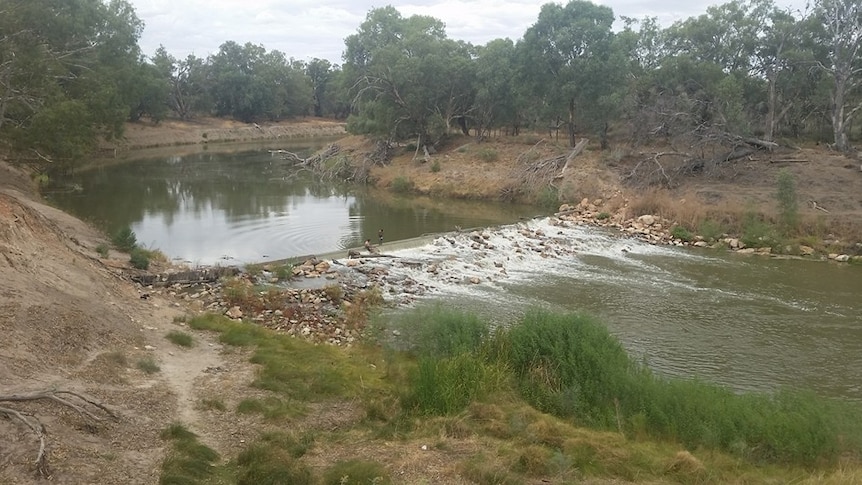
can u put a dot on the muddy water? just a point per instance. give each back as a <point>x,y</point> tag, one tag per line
<point>250,206</point>
<point>747,322</point>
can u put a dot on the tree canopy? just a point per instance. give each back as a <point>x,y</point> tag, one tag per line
<point>71,73</point>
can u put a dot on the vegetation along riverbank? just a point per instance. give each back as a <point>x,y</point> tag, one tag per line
<point>117,368</point>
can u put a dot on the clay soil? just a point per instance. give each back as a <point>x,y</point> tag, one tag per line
<point>75,321</point>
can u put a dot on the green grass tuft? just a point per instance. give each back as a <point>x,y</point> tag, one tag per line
<point>180,338</point>
<point>148,365</point>
<point>357,472</point>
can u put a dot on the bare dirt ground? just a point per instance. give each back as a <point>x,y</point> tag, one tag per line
<point>71,320</point>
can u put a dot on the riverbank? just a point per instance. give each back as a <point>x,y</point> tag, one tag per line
<point>75,320</point>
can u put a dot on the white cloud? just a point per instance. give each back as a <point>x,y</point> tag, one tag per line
<point>305,29</point>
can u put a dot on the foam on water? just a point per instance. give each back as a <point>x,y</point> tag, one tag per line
<point>456,263</point>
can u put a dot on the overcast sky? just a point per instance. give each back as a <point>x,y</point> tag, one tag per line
<point>307,29</point>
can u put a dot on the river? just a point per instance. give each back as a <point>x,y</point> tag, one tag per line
<point>747,322</point>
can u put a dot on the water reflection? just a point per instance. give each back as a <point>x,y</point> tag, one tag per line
<point>251,205</point>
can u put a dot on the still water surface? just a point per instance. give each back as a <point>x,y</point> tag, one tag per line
<point>749,323</point>
<point>251,206</point>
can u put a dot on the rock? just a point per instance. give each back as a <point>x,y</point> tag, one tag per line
<point>700,244</point>
<point>234,313</point>
<point>746,251</point>
<point>149,347</point>
<point>352,263</point>
<point>806,250</point>
<point>647,219</point>
<point>584,202</point>
<point>475,280</point>
<point>842,258</point>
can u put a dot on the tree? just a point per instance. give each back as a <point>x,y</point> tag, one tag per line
<point>570,50</point>
<point>842,35</point>
<point>407,78</point>
<point>66,67</point>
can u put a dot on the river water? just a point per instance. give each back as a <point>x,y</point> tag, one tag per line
<point>747,322</point>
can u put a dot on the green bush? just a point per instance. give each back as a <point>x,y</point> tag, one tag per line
<point>788,207</point>
<point>756,232</point>
<point>603,215</point>
<point>549,198</point>
<point>139,258</point>
<point>357,472</point>
<point>401,185</point>
<point>681,233</point>
<point>710,230</point>
<point>125,239</point>
<point>103,250</point>
<point>435,166</point>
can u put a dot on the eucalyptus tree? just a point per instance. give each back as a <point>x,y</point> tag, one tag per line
<point>320,72</point>
<point>187,78</point>
<point>498,98</point>
<point>574,72</point>
<point>249,83</point>
<point>407,78</point>
<point>68,73</point>
<point>842,38</point>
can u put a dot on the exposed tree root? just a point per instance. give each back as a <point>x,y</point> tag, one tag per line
<point>65,398</point>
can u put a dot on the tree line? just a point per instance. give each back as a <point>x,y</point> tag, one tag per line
<point>71,73</point>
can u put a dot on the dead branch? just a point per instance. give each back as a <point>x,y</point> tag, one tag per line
<point>35,425</point>
<point>816,206</point>
<point>659,170</point>
<point>575,152</point>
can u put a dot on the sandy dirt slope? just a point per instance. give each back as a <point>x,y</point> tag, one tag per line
<point>72,321</point>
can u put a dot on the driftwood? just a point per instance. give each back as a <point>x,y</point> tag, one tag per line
<point>69,399</point>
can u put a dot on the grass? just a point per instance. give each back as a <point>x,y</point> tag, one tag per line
<point>188,460</point>
<point>356,472</point>
<point>551,398</point>
<point>180,338</point>
<point>297,370</point>
<point>212,405</point>
<point>148,365</point>
<point>487,154</point>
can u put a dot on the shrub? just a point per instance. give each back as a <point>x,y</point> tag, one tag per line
<point>681,233</point>
<point>710,230</point>
<point>435,166</point>
<point>549,198</point>
<point>788,208</point>
<point>180,338</point>
<point>139,259</point>
<point>125,239</point>
<point>103,250</point>
<point>357,472</point>
<point>401,185</point>
<point>439,332</point>
<point>756,232</point>
<point>487,154</point>
<point>603,215</point>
